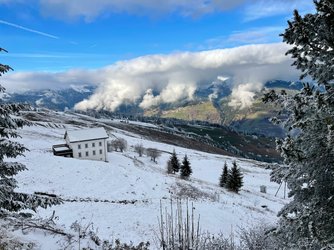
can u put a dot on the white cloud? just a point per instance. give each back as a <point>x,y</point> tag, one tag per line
<point>265,8</point>
<point>173,92</point>
<point>243,95</point>
<point>25,81</point>
<point>255,35</point>
<point>89,9</point>
<point>149,100</point>
<point>154,79</point>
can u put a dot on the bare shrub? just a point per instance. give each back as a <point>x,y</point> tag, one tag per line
<point>123,144</point>
<point>86,237</point>
<point>139,149</point>
<point>188,191</point>
<point>110,146</point>
<point>176,229</point>
<point>8,241</point>
<point>180,230</point>
<point>117,245</point>
<point>257,238</point>
<point>153,153</point>
<point>218,242</point>
<point>113,145</point>
<point>119,144</point>
<point>80,236</point>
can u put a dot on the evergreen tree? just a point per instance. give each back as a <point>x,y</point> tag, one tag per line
<point>169,167</point>
<point>234,178</point>
<point>11,201</point>
<point>186,170</point>
<point>174,161</point>
<point>223,177</point>
<point>307,222</point>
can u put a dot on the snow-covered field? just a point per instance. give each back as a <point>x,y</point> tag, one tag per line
<point>93,190</point>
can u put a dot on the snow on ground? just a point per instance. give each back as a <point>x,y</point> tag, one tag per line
<point>93,189</point>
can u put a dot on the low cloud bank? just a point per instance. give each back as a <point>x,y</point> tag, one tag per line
<point>154,79</point>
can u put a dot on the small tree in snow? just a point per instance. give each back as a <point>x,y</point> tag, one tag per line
<point>113,145</point>
<point>10,200</point>
<point>153,153</point>
<point>186,170</point>
<point>223,177</point>
<point>234,178</point>
<point>120,144</point>
<point>139,149</point>
<point>174,161</point>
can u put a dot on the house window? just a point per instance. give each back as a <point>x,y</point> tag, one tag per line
<point>100,151</point>
<point>87,153</point>
<point>79,146</point>
<point>79,154</point>
<point>86,145</point>
<point>94,152</point>
<point>100,144</point>
<point>93,144</point>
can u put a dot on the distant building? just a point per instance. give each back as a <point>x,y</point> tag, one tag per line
<point>84,144</point>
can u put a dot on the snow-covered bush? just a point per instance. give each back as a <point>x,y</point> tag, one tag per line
<point>257,238</point>
<point>9,241</point>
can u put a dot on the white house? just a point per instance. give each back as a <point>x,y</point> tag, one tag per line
<point>87,143</point>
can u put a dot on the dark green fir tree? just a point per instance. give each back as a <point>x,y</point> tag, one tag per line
<point>174,162</point>
<point>169,167</point>
<point>223,177</point>
<point>186,170</point>
<point>234,178</point>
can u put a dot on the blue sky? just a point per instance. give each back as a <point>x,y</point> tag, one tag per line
<point>46,35</point>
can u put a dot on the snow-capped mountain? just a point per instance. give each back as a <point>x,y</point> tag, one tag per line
<point>52,99</point>
<point>210,104</point>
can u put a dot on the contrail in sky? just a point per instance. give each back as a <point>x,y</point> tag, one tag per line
<point>27,29</point>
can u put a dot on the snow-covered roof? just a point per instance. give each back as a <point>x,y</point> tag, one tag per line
<point>86,134</point>
<point>58,149</point>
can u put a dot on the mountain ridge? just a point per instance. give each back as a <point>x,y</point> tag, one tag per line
<point>210,104</point>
